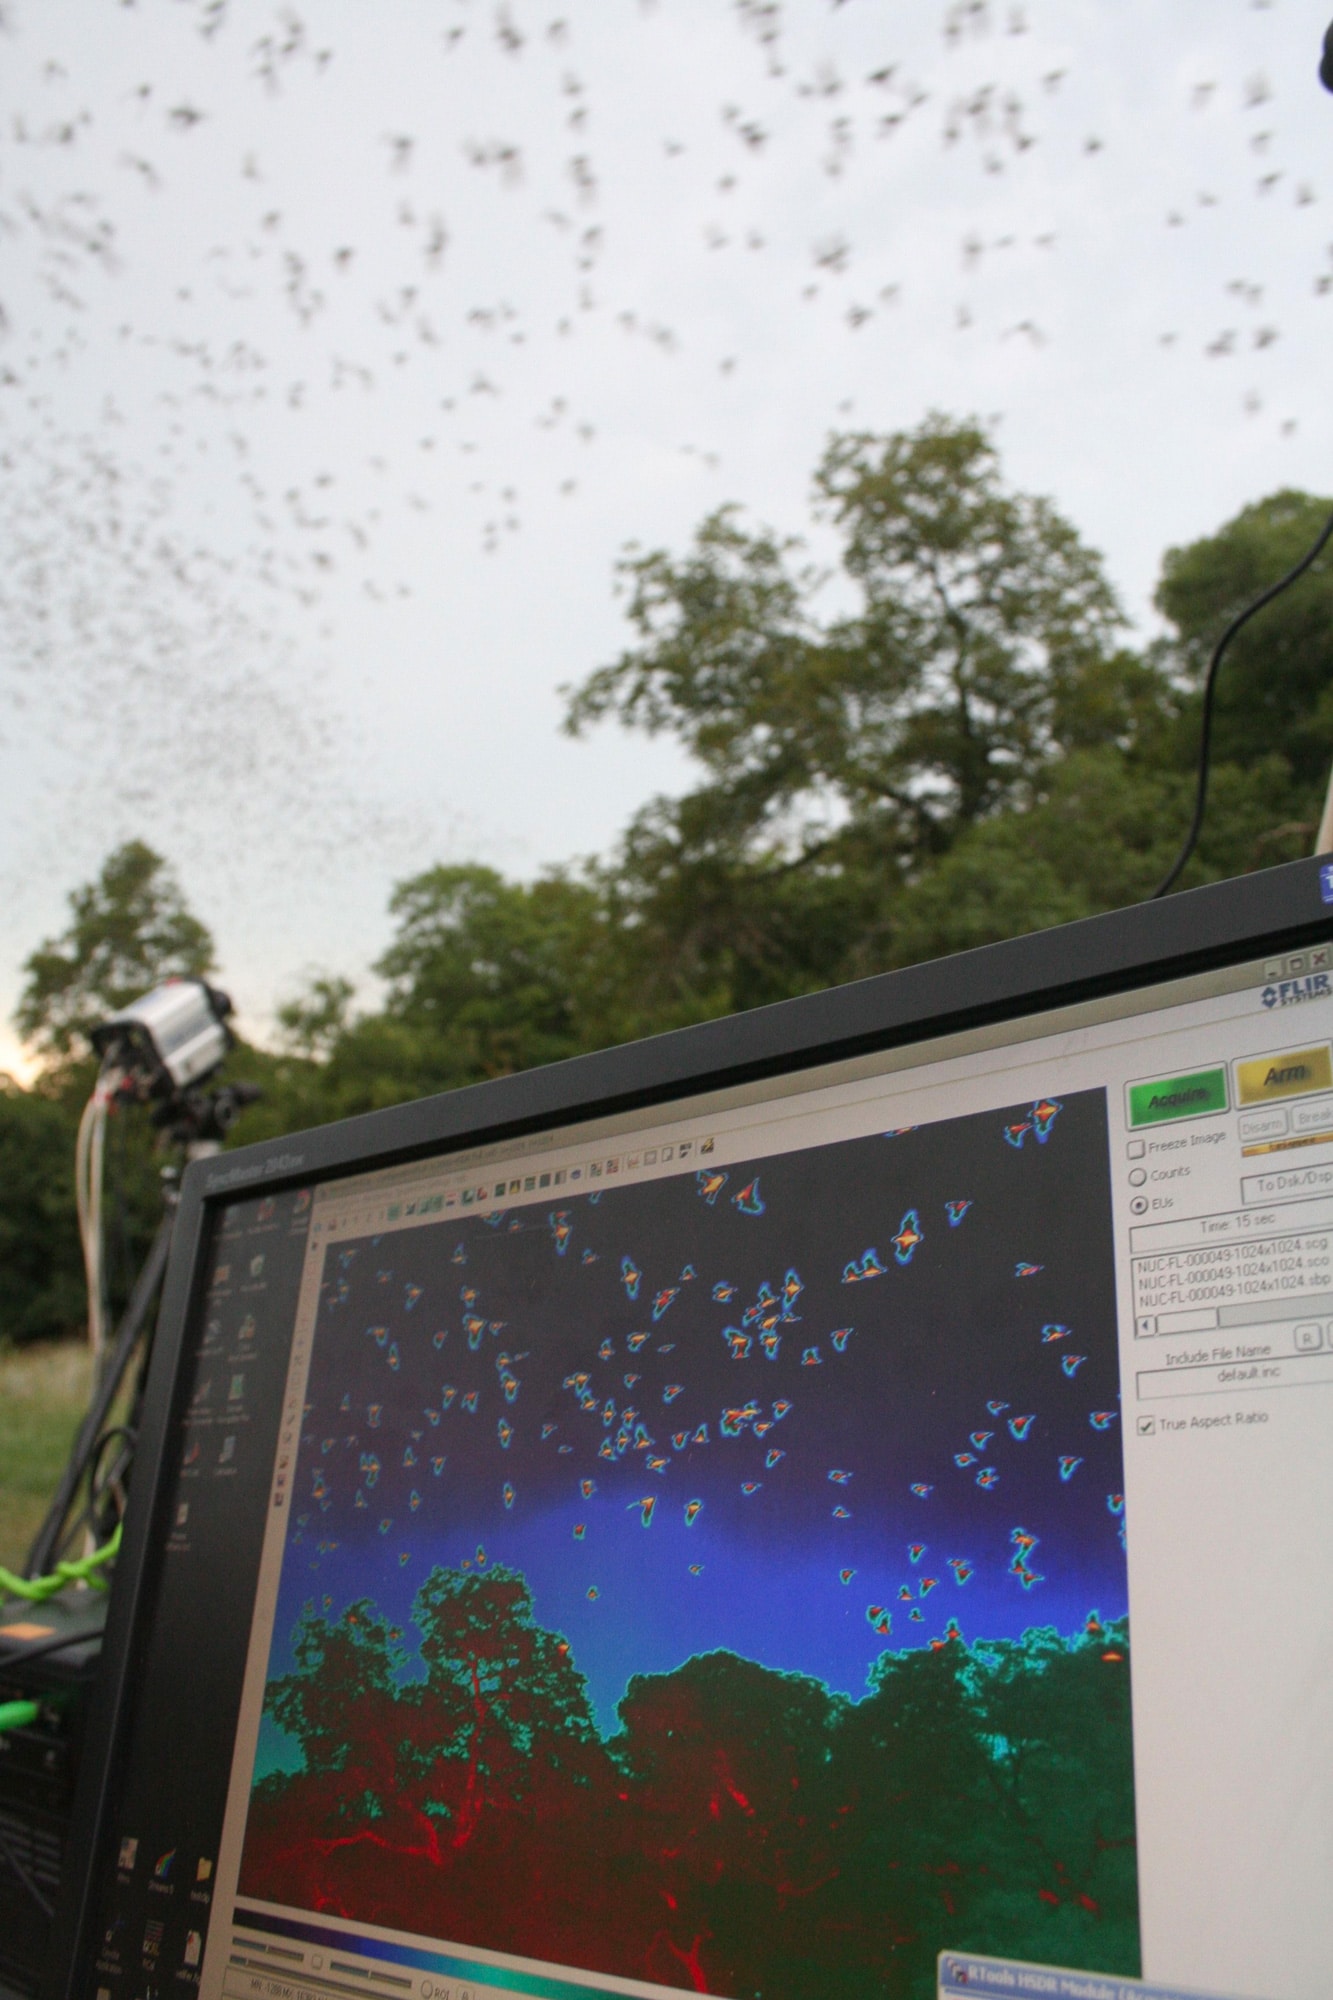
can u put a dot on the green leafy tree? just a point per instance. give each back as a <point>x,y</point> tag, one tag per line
<point>841,759</point>
<point>983,614</point>
<point>1101,836</point>
<point>42,1295</point>
<point>128,931</point>
<point>1275,686</point>
<point>485,977</point>
<point>318,1017</point>
<point>489,968</point>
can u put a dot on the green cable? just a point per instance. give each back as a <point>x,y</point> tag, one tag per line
<point>17,1714</point>
<point>82,1569</point>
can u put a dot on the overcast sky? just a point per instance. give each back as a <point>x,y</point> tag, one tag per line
<point>344,347</point>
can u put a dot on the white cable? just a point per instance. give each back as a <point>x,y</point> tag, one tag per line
<point>92,1112</point>
<point>89,1155</point>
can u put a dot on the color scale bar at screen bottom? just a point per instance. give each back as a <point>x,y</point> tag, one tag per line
<point>962,1975</point>
<point>458,1972</point>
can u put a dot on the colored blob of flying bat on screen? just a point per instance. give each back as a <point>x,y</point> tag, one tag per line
<point>1038,1122</point>
<point>1023,1545</point>
<point>909,1237</point>
<point>561,1226</point>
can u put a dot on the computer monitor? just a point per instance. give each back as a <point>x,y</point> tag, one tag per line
<point>680,1520</point>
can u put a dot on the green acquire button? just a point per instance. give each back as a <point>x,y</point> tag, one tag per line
<point>1178,1097</point>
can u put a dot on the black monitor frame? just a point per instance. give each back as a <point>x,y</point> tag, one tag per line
<point>1254,916</point>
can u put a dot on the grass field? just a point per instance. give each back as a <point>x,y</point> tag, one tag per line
<point>43,1391</point>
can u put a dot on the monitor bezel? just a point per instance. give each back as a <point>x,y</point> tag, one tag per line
<point>1271,912</point>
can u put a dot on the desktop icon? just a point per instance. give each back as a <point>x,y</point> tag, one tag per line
<point>164,1865</point>
<point>129,1849</point>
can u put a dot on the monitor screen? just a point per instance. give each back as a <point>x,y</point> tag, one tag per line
<point>755,1541</point>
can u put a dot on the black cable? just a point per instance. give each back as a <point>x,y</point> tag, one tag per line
<point>1210,683</point>
<point>54,1529</point>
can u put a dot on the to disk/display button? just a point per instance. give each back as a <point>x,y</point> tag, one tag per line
<point>1290,1074</point>
<point>1195,1096</point>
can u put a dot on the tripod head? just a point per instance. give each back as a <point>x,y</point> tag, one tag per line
<point>198,1119</point>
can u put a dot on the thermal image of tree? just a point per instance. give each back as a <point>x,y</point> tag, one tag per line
<point>743,1830</point>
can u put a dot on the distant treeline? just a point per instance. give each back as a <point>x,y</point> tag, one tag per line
<point>973,751</point>
<point>745,1831</point>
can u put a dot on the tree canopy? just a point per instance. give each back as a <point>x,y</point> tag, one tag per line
<point>128,931</point>
<point>933,704</point>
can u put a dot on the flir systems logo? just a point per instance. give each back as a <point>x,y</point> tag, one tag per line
<point>1290,992</point>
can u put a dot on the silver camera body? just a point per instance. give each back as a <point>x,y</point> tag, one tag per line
<point>169,1039</point>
